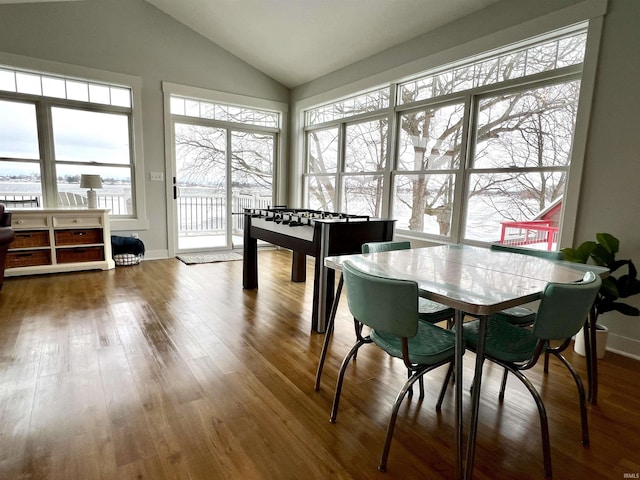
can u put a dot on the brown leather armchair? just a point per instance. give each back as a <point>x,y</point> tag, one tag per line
<point>6,237</point>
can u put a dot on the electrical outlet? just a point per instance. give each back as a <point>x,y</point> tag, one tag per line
<point>134,235</point>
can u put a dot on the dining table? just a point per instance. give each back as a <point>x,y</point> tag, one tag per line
<point>475,281</point>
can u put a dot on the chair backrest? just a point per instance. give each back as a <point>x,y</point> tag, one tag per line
<point>565,306</point>
<point>551,255</point>
<point>384,304</point>
<point>374,247</point>
<point>23,202</point>
<point>70,198</point>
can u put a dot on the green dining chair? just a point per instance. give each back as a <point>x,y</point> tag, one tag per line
<point>390,309</point>
<point>561,314</point>
<point>428,310</point>
<point>519,315</point>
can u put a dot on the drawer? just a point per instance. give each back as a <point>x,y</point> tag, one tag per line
<point>30,239</point>
<point>78,236</point>
<point>25,221</point>
<point>74,255</point>
<point>28,259</point>
<point>78,221</point>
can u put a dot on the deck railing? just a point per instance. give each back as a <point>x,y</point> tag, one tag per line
<point>200,212</point>
<point>206,214</point>
<point>529,233</point>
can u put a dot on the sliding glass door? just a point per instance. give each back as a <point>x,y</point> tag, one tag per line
<point>219,171</point>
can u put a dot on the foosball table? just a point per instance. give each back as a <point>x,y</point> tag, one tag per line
<point>309,232</point>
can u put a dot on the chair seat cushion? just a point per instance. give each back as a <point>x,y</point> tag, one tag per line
<point>433,312</point>
<point>430,346</point>
<point>516,315</point>
<point>504,341</point>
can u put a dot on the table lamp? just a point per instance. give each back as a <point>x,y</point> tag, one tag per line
<point>91,182</point>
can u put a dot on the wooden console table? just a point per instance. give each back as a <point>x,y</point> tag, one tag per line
<point>59,240</point>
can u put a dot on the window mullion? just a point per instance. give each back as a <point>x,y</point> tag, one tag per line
<point>47,155</point>
<point>339,201</point>
<point>461,177</point>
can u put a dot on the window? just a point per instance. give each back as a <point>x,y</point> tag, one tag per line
<point>476,145</point>
<point>53,129</point>
<point>429,157</point>
<point>359,170</point>
<point>521,157</point>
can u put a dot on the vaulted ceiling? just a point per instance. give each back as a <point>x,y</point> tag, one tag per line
<point>295,41</point>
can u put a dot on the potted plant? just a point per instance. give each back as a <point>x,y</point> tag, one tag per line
<point>622,281</point>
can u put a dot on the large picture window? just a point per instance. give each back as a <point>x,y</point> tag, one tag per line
<point>469,150</point>
<point>54,129</point>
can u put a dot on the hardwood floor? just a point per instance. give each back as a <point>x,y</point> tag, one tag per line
<point>168,371</point>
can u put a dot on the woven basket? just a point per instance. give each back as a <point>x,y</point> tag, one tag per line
<point>125,259</point>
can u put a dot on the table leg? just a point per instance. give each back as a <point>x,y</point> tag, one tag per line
<point>475,398</point>
<point>587,354</point>
<point>593,356</point>
<point>459,352</point>
<point>328,333</point>
<point>299,267</point>
<point>249,261</point>
<point>323,294</point>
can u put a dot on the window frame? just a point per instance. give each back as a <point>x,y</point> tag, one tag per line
<point>230,99</point>
<point>590,28</point>
<point>138,220</point>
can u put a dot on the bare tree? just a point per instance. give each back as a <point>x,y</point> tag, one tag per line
<point>202,153</point>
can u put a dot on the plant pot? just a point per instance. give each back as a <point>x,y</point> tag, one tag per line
<point>602,333</point>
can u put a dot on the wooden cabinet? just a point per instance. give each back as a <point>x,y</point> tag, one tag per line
<point>59,240</point>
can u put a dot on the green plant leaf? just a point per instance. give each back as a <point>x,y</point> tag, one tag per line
<point>609,288</point>
<point>610,243</point>
<point>628,286</point>
<point>603,253</point>
<point>625,309</point>
<point>633,273</point>
<point>579,254</point>
<point>602,256</point>
<point>615,265</point>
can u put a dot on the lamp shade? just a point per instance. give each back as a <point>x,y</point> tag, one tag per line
<point>90,181</point>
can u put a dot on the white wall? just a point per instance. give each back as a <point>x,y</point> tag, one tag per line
<point>610,193</point>
<point>134,38</point>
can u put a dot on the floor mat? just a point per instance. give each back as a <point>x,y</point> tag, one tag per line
<point>208,257</point>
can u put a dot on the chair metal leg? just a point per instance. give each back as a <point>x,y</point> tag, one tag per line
<point>358,329</point>
<point>394,415</point>
<point>445,384</point>
<point>546,362</point>
<point>343,368</point>
<point>328,333</point>
<point>421,383</point>
<point>503,385</point>
<point>544,423</point>
<point>581,397</point>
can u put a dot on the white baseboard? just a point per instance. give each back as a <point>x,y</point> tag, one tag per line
<point>156,255</point>
<point>629,347</point>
